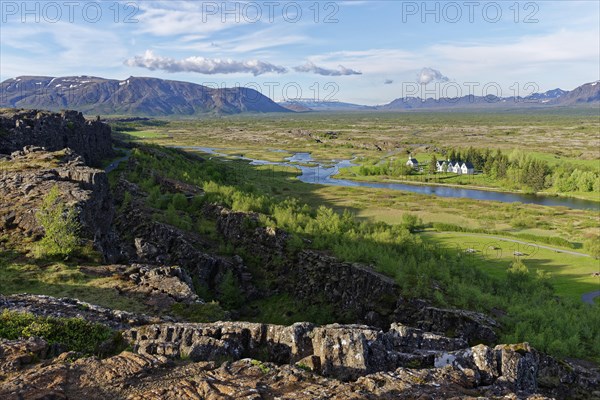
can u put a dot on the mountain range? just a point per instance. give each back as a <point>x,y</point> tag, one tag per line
<point>159,97</point>
<point>588,93</point>
<point>132,96</point>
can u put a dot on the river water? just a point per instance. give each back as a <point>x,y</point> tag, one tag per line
<point>321,173</point>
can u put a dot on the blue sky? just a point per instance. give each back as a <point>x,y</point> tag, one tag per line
<point>367,52</point>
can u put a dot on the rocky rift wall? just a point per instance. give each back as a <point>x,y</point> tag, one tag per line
<point>29,176</point>
<point>55,131</point>
<point>351,287</point>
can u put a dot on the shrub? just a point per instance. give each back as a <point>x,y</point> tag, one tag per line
<point>61,227</point>
<point>180,202</point>
<point>411,222</point>
<point>592,246</point>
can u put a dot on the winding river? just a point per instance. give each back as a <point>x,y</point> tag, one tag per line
<point>321,173</point>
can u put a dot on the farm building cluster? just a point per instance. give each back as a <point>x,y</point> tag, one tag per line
<point>456,167</point>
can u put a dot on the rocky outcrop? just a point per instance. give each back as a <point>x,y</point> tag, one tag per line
<point>240,360</point>
<point>171,281</point>
<point>156,243</point>
<point>158,287</point>
<point>342,351</point>
<point>55,131</point>
<point>28,176</point>
<point>48,306</point>
<point>161,244</point>
<point>16,354</point>
<point>364,354</point>
<point>472,326</point>
<point>243,229</point>
<point>356,291</point>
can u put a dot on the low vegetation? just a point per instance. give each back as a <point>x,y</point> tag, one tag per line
<point>73,333</point>
<point>532,310</point>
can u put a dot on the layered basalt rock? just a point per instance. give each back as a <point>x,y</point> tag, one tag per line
<point>342,351</point>
<point>55,131</point>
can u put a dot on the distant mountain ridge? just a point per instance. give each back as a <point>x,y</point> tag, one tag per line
<point>132,96</point>
<point>159,97</point>
<point>588,93</point>
<point>585,94</point>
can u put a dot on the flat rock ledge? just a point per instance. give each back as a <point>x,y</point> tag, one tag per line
<point>48,306</point>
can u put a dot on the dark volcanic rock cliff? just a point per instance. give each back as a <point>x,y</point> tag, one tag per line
<point>55,131</point>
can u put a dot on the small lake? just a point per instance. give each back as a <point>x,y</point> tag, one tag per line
<point>322,173</point>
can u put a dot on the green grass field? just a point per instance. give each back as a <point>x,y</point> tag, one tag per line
<point>144,134</point>
<point>571,275</point>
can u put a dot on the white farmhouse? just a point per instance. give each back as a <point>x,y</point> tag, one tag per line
<point>467,168</point>
<point>412,162</point>
<point>456,168</point>
<point>441,166</point>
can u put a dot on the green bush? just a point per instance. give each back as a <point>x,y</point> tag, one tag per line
<point>592,246</point>
<point>179,201</point>
<point>61,227</point>
<point>411,222</point>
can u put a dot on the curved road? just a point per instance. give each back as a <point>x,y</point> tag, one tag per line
<point>115,164</point>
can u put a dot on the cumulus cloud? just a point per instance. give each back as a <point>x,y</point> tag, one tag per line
<point>203,65</point>
<point>341,71</point>
<point>428,75</point>
<point>388,82</point>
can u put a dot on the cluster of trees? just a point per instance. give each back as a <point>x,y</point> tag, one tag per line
<point>516,170</point>
<point>525,171</point>
<point>75,334</point>
<point>391,167</point>
<point>447,277</point>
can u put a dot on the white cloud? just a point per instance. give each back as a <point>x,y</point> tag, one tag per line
<point>203,65</point>
<point>168,18</point>
<point>428,75</point>
<point>340,71</point>
<point>372,61</point>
